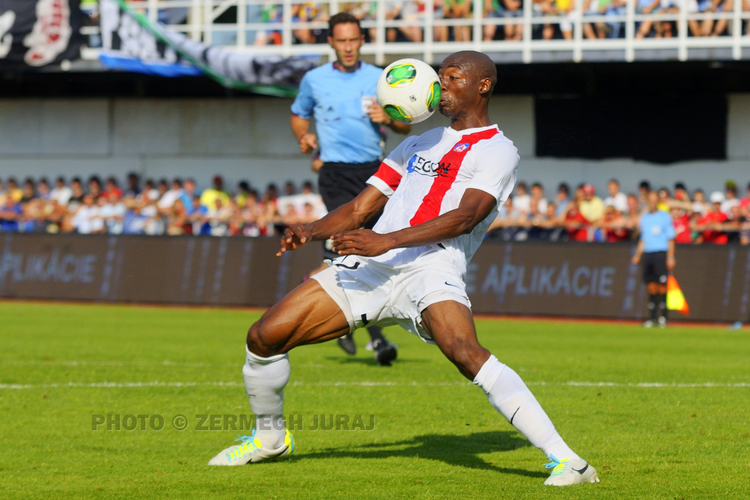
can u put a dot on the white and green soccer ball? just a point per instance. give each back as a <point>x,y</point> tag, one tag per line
<point>409,90</point>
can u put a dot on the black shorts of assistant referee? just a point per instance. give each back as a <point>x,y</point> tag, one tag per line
<point>340,183</point>
<point>655,267</point>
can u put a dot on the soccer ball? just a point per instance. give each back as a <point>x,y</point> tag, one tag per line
<point>409,90</point>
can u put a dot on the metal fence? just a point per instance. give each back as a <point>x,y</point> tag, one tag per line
<point>236,23</point>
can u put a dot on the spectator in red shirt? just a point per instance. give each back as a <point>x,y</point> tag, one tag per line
<point>577,225</point>
<point>711,223</point>
<point>612,225</point>
<point>745,202</point>
<point>110,187</point>
<point>683,233</point>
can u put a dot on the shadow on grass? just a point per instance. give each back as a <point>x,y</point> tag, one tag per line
<point>454,450</point>
<point>369,360</point>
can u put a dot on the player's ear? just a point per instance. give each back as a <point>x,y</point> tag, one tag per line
<point>485,86</point>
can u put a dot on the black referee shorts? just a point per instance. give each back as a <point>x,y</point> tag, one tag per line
<point>340,183</point>
<point>655,267</point>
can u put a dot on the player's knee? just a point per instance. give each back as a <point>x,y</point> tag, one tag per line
<point>468,358</point>
<point>259,339</point>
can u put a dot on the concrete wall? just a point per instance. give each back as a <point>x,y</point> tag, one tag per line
<point>249,138</point>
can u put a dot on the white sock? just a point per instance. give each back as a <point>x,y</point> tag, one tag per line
<point>510,396</point>
<point>265,379</point>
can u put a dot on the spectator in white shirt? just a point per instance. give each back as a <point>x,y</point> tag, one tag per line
<point>537,194</point>
<point>86,219</point>
<point>522,200</point>
<point>699,202</point>
<point>153,220</point>
<point>730,198</point>
<point>167,199</point>
<point>61,193</point>
<point>218,216</point>
<point>616,198</point>
<point>149,191</point>
<point>113,213</point>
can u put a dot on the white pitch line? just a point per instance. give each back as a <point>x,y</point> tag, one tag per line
<point>122,363</point>
<point>118,385</point>
<point>360,384</point>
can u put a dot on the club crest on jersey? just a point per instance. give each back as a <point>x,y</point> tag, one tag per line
<point>461,147</point>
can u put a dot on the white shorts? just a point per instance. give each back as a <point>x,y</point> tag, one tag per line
<point>370,293</point>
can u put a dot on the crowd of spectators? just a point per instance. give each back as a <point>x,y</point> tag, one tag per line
<point>582,215</point>
<point>405,19</point>
<point>178,208</point>
<point>152,207</point>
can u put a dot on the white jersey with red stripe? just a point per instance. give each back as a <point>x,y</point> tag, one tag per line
<point>427,175</point>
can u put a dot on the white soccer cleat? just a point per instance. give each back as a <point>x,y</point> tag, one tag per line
<point>649,323</point>
<point>569,471</point>
<point>251,450</point>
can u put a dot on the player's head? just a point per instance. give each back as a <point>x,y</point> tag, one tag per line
<point>466,80</point>
<point>346,37</point>
<point>652,200</point>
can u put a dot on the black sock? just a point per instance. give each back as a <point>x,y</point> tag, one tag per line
<point>375,333</point>
<point>653,301</point>
<point>662,297</point>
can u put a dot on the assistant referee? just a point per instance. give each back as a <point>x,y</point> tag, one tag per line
<point>348,120</point>
<point>656,246</point>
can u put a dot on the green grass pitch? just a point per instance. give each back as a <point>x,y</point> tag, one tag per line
<point>662,414</point>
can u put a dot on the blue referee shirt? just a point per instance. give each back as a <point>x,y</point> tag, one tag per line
<point>345,132</point>
<point>657,229</point>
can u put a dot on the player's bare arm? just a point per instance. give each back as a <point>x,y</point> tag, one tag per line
<point>349,216</point>
<point>301,129</point>
<point>475,206</point>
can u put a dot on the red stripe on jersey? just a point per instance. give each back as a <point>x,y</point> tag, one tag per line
<point>389,176</point>
<point>450,165</point>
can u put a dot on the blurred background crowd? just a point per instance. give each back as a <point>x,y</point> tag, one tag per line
<point>152,207</point>
<point>583,215</point>
<point>405,18</point>
<point>177,207</point>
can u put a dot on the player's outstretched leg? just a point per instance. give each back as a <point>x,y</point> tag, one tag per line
<point>307,315</point>
<point>452,327</point>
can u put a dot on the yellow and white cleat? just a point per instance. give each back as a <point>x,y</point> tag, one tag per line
<point>569,471</point>
<point>251,450</point>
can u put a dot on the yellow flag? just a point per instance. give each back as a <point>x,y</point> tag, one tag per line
<point>675,298</point>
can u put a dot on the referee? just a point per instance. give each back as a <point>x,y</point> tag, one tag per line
<point>348,120</point>
<point>656,246</point>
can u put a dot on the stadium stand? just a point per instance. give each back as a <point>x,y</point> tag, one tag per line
<point>548,30</point>
<point>177,208</point>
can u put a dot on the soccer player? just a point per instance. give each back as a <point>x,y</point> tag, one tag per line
<point>341,97</point>
<point>656,248</point>
<point>439,191</point>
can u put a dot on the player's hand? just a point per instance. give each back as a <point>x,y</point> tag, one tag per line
<point>671,263</point>
<point>307,143</point>
<point>294,237</point>
<point>636,259</point>
<point>316,164</point>
<point>361,242</point>
<point>378,115</point>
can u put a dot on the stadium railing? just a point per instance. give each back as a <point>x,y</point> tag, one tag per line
<point>201,24</point>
